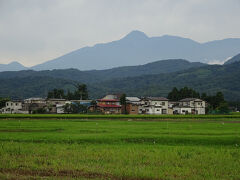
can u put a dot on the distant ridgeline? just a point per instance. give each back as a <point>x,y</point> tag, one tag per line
<point>153,79</point>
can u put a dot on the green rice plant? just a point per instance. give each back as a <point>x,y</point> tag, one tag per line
<point>119,149</point>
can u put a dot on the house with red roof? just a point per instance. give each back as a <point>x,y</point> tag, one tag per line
<point>110,104</point>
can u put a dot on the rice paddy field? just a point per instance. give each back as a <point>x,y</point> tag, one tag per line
<point>119,147</point>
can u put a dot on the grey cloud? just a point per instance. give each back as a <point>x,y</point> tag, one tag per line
<point>34,31</point>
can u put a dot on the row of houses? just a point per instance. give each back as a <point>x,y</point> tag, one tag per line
<point>110,104</point>
<point>151,105</point>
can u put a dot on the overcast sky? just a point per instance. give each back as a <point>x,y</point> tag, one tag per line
<point>34,31</point>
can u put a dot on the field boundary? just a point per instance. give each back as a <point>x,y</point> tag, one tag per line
<point>86,116</point>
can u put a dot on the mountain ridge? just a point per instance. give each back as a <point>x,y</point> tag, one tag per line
<point>156,67</point>
<point>137,48</point>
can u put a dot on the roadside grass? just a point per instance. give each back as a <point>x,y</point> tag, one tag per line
<point>126,149</point>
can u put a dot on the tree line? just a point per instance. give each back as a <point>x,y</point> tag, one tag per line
<point>81,93</point>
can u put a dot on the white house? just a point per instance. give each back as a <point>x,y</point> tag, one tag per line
<point>12,107</point>
<point>190,106</point>
<point>154,105</point>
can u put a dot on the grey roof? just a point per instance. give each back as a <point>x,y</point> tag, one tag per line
<point>190,99</point>
<point>133,99</point>
<point>53,99</point>
<point>156,98</point>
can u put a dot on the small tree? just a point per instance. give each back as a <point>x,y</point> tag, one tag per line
<point>3,102</point>
<point>67,108</point>
<point>223,108</point>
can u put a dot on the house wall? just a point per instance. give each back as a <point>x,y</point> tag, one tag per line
<point>12,107</point>
<point>107,110</point>
<point>132,108</point>
<point>153,107</point>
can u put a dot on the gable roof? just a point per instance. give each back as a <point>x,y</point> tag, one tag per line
<point>134,99</point>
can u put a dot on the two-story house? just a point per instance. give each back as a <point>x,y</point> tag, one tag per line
<point>190,106</point>
<point>109,106</point>
<point>33,104</point>
<point>153,105</point>
<point>12,107</point>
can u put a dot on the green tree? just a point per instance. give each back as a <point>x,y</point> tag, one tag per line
<point>81,92</point>
<point>176,95</point>
<point>56,93</point>
<point>67,108</point>
<point>3,102</point>
<point>123,102</point>
<point>223,108</point>
<point>173,95</point>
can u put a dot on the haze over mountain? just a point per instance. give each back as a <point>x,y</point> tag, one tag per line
<point>13,66</point>
<point>137,48</point>
<point>234,59</point>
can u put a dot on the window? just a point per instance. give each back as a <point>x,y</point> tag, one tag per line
<point>7,104</point>
<point>16,104</point>
<point>163,103</point>
<point>158,110</point>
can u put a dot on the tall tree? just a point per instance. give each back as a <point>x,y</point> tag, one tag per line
<point>81,92</point>
<point>174,94</point>
<point>123,102</point>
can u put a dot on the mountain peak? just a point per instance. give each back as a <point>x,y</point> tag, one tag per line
<point>136,35</point>
<point>14,63</point>
<point>12,66</point>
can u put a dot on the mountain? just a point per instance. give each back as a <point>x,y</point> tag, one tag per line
<point>138,48</point>
<point>234,59</point>
<point>162,66</point>
<point>157,67</point>
<point>13,66</point>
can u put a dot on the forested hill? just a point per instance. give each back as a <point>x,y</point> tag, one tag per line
<point>209,79</point>
<point>25,87</point>
<point>234,59</point>
<point>163,66</point>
